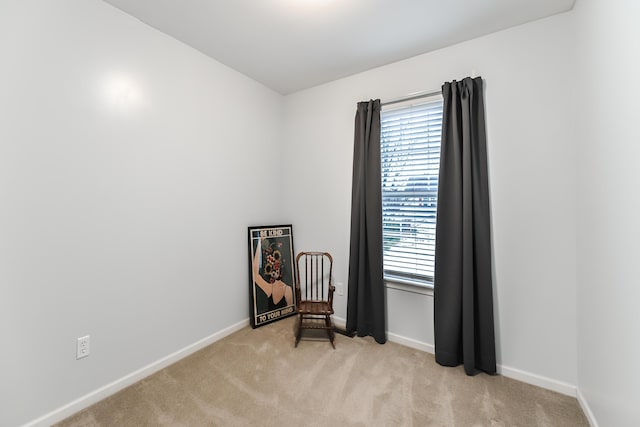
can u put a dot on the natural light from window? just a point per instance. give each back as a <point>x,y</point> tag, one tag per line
<point>410,160</point>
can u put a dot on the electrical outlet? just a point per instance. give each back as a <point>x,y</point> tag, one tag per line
<point>83,348</point>
<point>340,288</point>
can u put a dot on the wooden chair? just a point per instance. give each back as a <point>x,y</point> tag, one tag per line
<point>314,293</point>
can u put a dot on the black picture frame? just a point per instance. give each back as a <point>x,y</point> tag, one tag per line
<point>271,274</point>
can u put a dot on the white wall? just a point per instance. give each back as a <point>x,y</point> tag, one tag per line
<point>609,206</point>
<point>532,176</point>
<point>123,214</point>
<point>125,219</point>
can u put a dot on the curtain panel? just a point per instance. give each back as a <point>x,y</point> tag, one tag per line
<point>366,303</point>
<point>463,295</point>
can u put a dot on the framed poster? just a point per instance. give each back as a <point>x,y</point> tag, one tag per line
<point>271,274</point>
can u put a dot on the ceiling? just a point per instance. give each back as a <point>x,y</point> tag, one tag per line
<point>290,45</point>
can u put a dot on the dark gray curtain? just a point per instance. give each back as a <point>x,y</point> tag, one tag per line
<point>366,304</point>
<point>463,296</point>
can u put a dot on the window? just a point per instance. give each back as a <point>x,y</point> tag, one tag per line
<point>410,161</point>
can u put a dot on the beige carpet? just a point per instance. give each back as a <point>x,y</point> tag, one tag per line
<point>257,378</point>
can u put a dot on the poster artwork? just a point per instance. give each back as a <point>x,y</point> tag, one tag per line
<point>271,273</point>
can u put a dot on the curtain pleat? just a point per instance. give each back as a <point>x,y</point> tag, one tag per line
<point>366,303</point>
<point>463,295</point>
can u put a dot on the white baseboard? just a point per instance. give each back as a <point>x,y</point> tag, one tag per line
<point>399,339</point>
<point>516,374</point>
<point>587,409</point>
<point>410,342</point>
<point>339,322</point>
<point>538,380</point>
<point>117,385</point>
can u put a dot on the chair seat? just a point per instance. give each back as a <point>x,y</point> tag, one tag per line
<point>314,307</point>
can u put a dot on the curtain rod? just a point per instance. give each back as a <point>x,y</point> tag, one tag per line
<point>410,97</point>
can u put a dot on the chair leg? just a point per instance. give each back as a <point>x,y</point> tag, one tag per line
<point>298,329</point>
<point>332,335</point>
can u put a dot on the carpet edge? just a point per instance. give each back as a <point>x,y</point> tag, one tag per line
<point>113,387</point>
<point>506,371</point>
<point>588,413</point>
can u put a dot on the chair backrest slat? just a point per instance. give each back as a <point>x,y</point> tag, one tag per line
<point>313,275</point>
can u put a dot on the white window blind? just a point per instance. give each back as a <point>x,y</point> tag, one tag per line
<point>410,160</point>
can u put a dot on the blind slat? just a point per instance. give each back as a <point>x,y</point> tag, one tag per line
<point>410,158</point>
